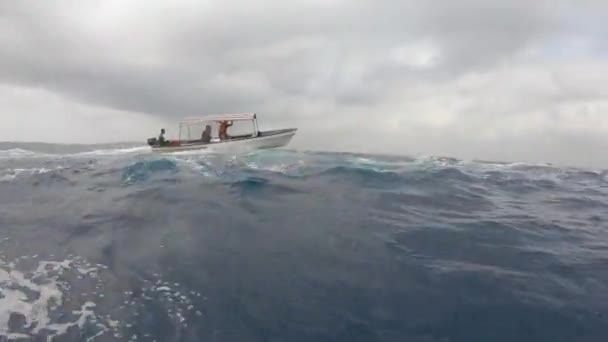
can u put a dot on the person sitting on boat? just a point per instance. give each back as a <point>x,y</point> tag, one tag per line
<point>224,129</point>
<point>161,137</point>
<point>206,136</point>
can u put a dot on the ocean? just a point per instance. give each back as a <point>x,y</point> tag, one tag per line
<point>115,243</point>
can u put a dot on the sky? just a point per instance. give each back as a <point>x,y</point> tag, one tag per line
<point>475,79</point>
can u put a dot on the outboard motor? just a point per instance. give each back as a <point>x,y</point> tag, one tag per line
<point>152,141</point>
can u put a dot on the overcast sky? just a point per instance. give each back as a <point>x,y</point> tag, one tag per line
<point>489,79</point>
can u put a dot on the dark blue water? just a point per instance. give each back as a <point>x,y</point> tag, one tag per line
<point>115,243</point>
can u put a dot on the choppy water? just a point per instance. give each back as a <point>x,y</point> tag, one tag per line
<point>115,243</point>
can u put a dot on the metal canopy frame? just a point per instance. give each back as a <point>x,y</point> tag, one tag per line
<point>220,117</point>
<point>217,118</point>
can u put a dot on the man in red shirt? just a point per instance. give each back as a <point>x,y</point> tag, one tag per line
<point>223,131</point>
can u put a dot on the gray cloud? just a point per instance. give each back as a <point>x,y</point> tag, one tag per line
<point>431,65</point>
<point>296,49</point>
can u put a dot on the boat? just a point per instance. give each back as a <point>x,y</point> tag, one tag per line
<point>256,140</point>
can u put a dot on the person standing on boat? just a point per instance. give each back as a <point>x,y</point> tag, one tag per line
<point>223,131</point>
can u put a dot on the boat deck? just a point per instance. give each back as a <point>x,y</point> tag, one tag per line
<point>241,137</point>
<point>199,142</point>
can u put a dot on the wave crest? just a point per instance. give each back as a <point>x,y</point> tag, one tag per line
<point>143,170</point>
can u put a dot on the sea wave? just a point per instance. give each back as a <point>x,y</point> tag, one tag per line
<point>123,244</point>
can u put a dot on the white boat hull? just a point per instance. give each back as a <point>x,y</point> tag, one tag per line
<point>242,145</point>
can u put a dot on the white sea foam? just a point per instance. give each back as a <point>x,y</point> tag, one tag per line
<point>18,153</point>
<point>9,175</point>
<point>36,294</point>
<point>199,152</point>
<point>113,152</point>
<point>193,164</point>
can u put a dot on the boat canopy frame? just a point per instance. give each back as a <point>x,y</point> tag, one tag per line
<point>189,121</point>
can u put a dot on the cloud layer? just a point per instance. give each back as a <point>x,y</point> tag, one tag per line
<point>513,80</point>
